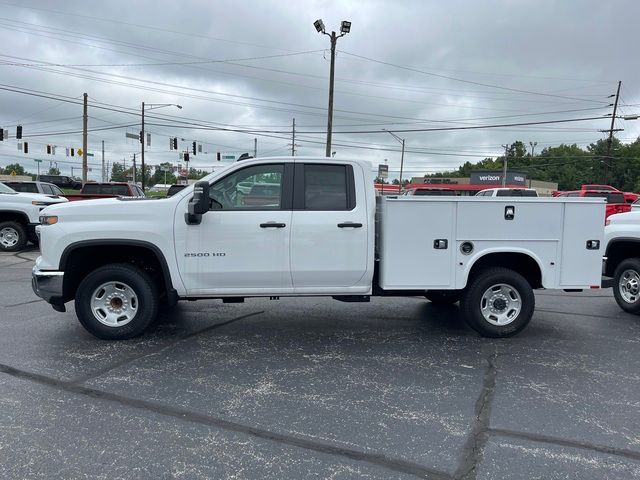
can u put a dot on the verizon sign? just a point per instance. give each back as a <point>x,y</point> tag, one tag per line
<point>495,178</point>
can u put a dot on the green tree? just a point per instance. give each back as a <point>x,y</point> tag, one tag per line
<point>54,171</point>
<point>118,173</point>
<point>14,167</point>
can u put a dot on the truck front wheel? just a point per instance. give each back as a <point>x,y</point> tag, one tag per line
<point>116,302</point>
<point>13,236</point>
<point>498,302</point>
<point>626,285</point>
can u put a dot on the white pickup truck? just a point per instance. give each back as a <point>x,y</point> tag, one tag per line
<point>320,231</point>
<point>622,258</point>
<point>19,215</point>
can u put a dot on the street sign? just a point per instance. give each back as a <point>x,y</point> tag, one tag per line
<point>135,136</point>
<point>39,161</point>
<point>79,152</point>
<point>383,171</point>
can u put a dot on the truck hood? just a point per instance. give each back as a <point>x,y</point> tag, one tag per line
<point>628,218</point>
<point>27,198</point>
<point>109,209</point>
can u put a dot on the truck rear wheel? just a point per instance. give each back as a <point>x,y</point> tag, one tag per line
<point>116,302</point>
<point>443,297</point>
<point>498,302</point>
<point>626,285</point>
<point>13,236</point>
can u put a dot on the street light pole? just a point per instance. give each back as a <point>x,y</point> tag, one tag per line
<point>150,106</point>
<point>142,154</point>
<point>401,140</point>
<point>345,27</point>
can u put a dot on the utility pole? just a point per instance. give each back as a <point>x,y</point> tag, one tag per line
<point>504,166</point>
<point>134,169</point>
<point>608,160</point>
<point>85,123</point>
<point>103,171</point>
<point>255,148</point>
<point>142,144</point>
<point>293,140</point>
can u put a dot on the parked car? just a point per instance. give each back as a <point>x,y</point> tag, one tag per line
<point>35,187</point>
<point>426,191</point>
<point>19,216</point>
<point>95,190</point>
<point>629,197</point>
<point>62,181</point>
<point>173,189</point>
<point>507,192</point>
<point>635,206</point>
<point>615,199</point>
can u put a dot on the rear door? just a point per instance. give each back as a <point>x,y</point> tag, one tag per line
<point>329,237</point>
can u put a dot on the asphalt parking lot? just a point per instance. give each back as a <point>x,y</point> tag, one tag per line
<point>314,388</point>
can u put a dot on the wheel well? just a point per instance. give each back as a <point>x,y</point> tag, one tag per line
<point>81,261</point>
<point>15,217</point>
<point>519,262</point>
<point>619,251</point>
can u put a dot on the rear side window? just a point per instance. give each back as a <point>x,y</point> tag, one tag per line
<point>23,187</point>
<point>329,187</point>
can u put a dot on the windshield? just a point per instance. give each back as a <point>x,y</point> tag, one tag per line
<point>5,189</point>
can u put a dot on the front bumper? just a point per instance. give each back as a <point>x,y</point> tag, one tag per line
<point>48,286</point>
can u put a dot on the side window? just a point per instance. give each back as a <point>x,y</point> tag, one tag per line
<point>252,188</point>
<point>46,189</point>
<point>56,190</point>
<point>328,187</point>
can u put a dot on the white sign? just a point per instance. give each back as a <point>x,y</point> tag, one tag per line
<point>383,171</point>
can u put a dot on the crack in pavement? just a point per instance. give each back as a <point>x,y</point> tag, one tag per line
<point>478,436</point>
<point>535,437</point>
<point>23,303</point>
<point>579,314</point>
<point>376,459</point>
<point>155,351</point>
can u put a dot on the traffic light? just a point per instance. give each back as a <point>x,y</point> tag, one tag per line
<point>19,132</point>
<point>49,149</point>
<point>193,146</point>
<point>175,143</point>
<point>72,152</point>
<point>1,134</point>
<point>218,155</point>
<point>186,156</point>
<point>25,145</point>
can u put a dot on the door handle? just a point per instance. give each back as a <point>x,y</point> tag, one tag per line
<point>272,225</point>
<point>349,225</point>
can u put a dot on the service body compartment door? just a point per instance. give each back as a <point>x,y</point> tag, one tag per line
<point>417,240</point>
<point>583,222</point>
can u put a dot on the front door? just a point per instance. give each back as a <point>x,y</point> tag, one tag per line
<point>242,244</point>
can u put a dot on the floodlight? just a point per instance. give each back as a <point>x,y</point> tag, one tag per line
<point>345,27</point>
<point>319,24</point>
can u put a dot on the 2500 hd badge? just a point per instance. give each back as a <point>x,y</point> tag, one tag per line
<point>206,254</point>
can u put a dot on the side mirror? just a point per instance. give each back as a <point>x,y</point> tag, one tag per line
<point>199,204</point>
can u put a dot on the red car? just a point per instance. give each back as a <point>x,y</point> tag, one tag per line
<point>616,202</point>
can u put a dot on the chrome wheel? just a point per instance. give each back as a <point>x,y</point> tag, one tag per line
<point>629,286</point>
<point>9,237</point>
<point>114,304</point>
<point>500,304</point>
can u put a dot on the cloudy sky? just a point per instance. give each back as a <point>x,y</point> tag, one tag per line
<point>244,70</point>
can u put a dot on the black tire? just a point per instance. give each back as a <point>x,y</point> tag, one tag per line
<point>13,236</point>
<point>443,297</point>
<point>472,301</point>
<point>122,274</point>
<point>626,284</point>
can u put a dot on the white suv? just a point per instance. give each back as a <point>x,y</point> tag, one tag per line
<point>19,215</point>
<point>507,192</point>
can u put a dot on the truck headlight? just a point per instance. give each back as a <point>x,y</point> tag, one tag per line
<point>40,204</point>
<point>48,220</point>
